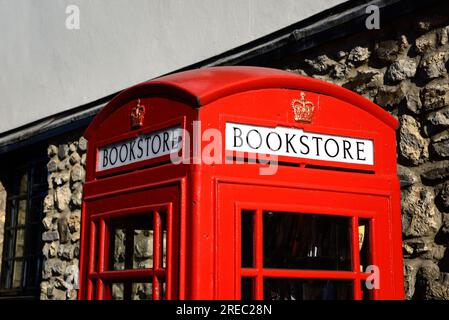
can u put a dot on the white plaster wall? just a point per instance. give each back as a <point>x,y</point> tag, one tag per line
<point>46,68</point>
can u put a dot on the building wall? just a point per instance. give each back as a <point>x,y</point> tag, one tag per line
<point>48,68</point>
<point>403,68</point>
<point>62,208</point>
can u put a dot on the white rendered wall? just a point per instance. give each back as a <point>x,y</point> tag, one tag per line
<point>46,68</point>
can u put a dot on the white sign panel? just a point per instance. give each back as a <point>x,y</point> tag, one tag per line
<point>144,147</point>
<point>282,141</point>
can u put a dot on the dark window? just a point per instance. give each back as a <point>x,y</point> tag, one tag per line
<point>26,187</point>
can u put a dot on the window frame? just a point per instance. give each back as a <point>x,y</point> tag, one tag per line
<point>36,191</point>
<point>258,273</point>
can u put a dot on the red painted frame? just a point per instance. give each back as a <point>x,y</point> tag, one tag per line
<point>204,226</point>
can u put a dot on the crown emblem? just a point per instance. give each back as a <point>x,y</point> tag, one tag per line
<point>303,109</point>
<point>137,115</point>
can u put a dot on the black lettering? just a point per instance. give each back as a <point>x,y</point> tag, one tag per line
<point>360,150</point>
<point>268,138</point>
<point>166,137</point>
<point>132,156</point>
<point>346,147</point>
<point>105,157</point>
<point>260,139</point>
<point>289,142</point>
<point>147,139</point>
<point>304,144</point>
<point>113,149</point>
<point>237,137</point>
<point>327,152</point>
<point>140,154</point>
<point>317,140</point>
<point>158,145</point>
<point>123,147</point>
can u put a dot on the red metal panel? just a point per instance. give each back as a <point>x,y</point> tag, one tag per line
<point>203,200</point>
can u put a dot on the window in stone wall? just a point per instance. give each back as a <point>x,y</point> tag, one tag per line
<point>26,187</point>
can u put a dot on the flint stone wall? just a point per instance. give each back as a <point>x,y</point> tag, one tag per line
<point>62,210</point>
<point>403,67</point>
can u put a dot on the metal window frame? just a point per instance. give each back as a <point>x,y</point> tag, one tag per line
<point>32,248</point>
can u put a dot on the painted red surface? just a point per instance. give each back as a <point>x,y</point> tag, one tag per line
<point>203,201</point>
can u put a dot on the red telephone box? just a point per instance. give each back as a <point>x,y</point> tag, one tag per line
<point>241,183</point>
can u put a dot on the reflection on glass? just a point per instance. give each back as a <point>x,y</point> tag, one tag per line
<point>164,249</point>
<point>133,244</point>
<point>23,185</point>
<point>307,289</point>
<point>119,250</point>
<point>142,291</point>
<point>132,291</point>
<point>117,291</point>
<point>306,241</point>
<point>21,212</point>
<point>364,243</point>
<point>17,275</point>
<point>20,241</point>
<point>143,249</point>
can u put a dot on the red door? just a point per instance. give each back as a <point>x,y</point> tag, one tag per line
<point>134,245</point>
<point>288,243</point>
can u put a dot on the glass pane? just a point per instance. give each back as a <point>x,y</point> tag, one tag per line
<point>364,243</point>
<point>164,249</point>
<point>21,212</point>
<point>17,275</point>
<point>36,210</point>
<point>23,182</point>
<point>142,291</point>
<point>247,289</point>
<point>307,289</point>
<point>306,241</point>
<point>31,277</point>
<point>367,294</point>
<point>20,241</point>
<point>119,249</point>
<point>247,234</point>
<point>143,249</point>
<point>131,242</point>
<point>117,291</point>
<point>39,174</point>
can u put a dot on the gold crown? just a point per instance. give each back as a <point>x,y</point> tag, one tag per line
<point>137,115</point>
<point>302,109</point>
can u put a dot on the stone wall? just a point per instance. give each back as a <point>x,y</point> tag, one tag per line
<point>62,208</point>
<point>403,67</point>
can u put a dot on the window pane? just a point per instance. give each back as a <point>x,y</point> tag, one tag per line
<point>117,291</point>
<point>143,249</point>
<point>142,291</point>
<point>247,234</point>
<point>364,243</point>
<point>21,212</point>
<point>119,249</point>
<point>132,291</point>
<point>307,289</point>
<point>306,241</point>
<point>131,242</point>
<point>247,289</point>
<point>17,276</point>
<point>36,210</point>
<point>20,242</point>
